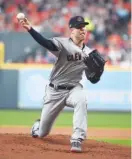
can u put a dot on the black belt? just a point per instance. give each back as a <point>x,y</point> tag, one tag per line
<point>61,86</point>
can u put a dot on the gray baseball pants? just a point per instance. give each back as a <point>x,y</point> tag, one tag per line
<point>55,100</point>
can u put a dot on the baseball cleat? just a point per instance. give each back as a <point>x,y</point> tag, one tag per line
<point>76,147</point>
<point>35,128</point>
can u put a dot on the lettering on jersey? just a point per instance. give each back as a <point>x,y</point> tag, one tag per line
<point>75,57</point>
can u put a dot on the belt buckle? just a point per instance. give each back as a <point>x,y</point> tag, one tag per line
<point>55,86</point>
<point>66,87</point>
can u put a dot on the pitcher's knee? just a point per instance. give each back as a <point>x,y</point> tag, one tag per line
<point>43,133</point>
<point>81,100</point>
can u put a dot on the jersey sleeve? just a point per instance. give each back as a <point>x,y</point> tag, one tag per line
<point>57,42</point>
<point>52,44</point>
<point>88,51</point>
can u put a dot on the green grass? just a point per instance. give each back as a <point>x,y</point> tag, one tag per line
<point>95,119</point>
<point>120,142</point>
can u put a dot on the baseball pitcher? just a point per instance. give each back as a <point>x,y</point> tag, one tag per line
<point>64,88</point>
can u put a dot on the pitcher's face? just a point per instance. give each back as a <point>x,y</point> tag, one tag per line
<point>80,32</point>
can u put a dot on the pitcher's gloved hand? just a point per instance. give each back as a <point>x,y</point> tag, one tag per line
<point>95,66</point>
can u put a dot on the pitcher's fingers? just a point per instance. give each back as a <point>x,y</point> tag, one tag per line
<point>25,19</point>
<point>22,23</point>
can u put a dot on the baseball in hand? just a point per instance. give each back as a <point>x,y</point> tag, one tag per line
<point>20,16</point>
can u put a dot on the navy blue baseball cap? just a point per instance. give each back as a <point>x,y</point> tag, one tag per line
<point>77,21</point>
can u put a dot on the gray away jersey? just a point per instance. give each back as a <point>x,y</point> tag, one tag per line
<point>69,66</point>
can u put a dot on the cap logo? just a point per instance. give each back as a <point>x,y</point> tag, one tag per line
<point>70,26</point>
<point>79,19</point>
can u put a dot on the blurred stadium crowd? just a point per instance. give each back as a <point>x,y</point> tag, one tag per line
<point>109,30</point>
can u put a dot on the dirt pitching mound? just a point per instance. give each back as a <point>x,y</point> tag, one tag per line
<point>19,146</point>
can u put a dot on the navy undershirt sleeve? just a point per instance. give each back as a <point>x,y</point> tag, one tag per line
<point>47,43</point>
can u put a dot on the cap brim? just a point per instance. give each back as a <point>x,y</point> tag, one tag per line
<point>83,23</point>
<point>86,23</point>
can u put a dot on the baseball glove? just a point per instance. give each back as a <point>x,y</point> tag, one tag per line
<point>95,66</point>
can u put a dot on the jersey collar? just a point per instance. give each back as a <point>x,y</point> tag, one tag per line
<point>76,45</point>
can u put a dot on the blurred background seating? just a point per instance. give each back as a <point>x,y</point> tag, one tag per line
<point>109,30</point>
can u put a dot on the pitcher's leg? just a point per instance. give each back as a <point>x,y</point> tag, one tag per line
<point>48,116</point>
<point>78,100</point>
<point>80,119</point>
<point>53,104</point>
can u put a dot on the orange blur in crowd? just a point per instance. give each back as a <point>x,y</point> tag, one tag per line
<point>54,17</point>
